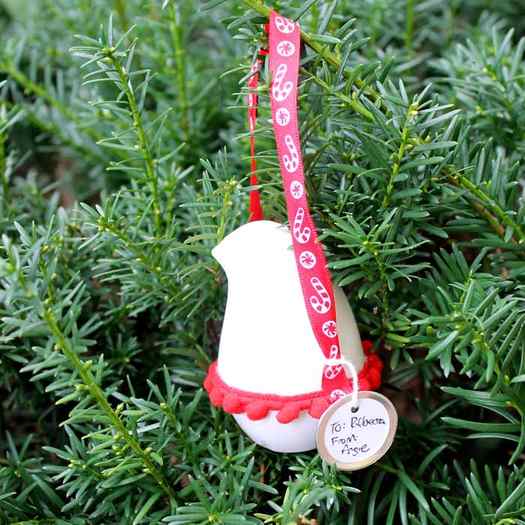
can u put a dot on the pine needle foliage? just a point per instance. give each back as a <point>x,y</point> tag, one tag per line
<point>123,161</point>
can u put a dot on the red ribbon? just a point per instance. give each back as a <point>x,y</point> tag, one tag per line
<point>284,57</point>
<point>256,212</point>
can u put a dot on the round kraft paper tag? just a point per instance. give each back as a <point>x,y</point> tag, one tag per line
<point>353,439</point>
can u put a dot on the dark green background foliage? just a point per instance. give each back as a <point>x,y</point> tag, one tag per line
<point>123,161</point>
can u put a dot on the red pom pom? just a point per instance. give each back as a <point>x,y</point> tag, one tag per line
<point>274,405</point>
<point>257,410</point>
<point>374,377</point>
<point>232,404</point>
<point>364,384</point>
<point>367,346</point>
<point>208,382</point>
<point>216,397</point>
<point>257,406</point>
<point>318,406</point>
<point>289,412</point>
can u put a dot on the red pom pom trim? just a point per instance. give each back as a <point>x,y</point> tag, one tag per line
<point>256,406</point>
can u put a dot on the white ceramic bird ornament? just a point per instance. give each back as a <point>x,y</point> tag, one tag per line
<point>287,334</point>
<point>270,368</point>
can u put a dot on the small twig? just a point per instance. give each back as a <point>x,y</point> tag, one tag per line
<point>3,169</point>
<point>351,101</point>
<point>138,126</point>
<point>120,6</point>
<point>180,68</point>
<point>489,209</point>
<point>409,32</point>
<point>40,92</point>
<point>398,159</point>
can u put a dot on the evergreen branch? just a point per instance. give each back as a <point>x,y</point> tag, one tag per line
<point>321,50</point>
<point>3,157</point>
<point>409,32</point>
<point>138,126</point>
<point>64,138</point>
<point>180,66</point>
<point>83,370</point>
<point>120,6</point>
<point>351,101</point>
<point>398,157</point>
<point>144,257</point>
<point>333,59</point>
<point>39,91</point>
<point>488,208</point>
<point>395,174</point>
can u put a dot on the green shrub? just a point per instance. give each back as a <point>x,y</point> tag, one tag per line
<point>123,161</point>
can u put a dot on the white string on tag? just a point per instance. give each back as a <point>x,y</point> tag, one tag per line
<point>351,372</point>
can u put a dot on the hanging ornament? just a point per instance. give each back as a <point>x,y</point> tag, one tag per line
<point>289,345</point>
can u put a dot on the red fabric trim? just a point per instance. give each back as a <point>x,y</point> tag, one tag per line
<point>256,406</point>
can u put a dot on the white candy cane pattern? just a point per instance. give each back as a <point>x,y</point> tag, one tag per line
<point>301,234</point>
<point>280,90</point>
<point>334,352</point>
<point>285,48</point>
<point>291,162</point>
<point>296,189</point>
<point>332,371</point>
<point>330,329</point>
<point>337,394</point>
<point>282,117</point>
<point>307,259</point>
<point>284,25</point>
<point>320,302</point>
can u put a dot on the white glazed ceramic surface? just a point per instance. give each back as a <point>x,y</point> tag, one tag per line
<point>296,436</point>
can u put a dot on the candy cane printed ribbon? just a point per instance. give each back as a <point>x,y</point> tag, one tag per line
<point>284,51</point>
<point>284,55</point>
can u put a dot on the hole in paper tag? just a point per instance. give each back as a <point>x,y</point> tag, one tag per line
<point>353,439</point>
